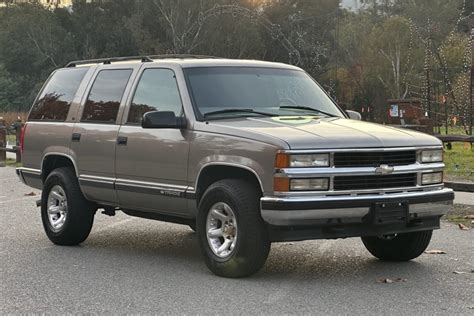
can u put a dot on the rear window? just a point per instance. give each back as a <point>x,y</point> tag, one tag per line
<point>103,102</point>
<point>56,97</point>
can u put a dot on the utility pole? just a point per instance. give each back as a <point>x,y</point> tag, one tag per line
<point>428,83</point>
<point>428,70</point>
<point>471,113</point>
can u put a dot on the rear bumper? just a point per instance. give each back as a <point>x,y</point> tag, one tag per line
<point>30,177</point>
<point>348,216</point>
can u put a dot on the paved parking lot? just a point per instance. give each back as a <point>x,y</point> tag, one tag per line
<point>131,265</point>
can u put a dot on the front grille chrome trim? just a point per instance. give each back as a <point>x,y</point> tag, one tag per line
<point>355,171</point>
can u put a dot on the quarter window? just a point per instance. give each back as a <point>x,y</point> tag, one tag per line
<point>103,102</point>
<point>157,90</point>
<point>56,98</point>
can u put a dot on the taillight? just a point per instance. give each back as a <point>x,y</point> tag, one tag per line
<point>22,138</point>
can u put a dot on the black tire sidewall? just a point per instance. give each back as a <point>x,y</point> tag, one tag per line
<point>403,247</point>
<point>80,215</point>
<point>252,245</point>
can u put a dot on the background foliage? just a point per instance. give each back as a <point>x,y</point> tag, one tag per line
<point>382,49</point>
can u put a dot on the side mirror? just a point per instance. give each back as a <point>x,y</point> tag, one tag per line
<point>353,115</point>
<point>162,119</point>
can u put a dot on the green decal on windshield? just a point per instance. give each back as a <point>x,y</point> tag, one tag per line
<point>299,119</point>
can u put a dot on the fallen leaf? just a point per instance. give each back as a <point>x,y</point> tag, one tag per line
<point>387,280</point>
<point>463,227</point>
<point>459,272</point>
<point>435,252</point>
<point>30,194</point>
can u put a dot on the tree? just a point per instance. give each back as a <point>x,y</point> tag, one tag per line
<point>394,55</point>
<point>32,44</point>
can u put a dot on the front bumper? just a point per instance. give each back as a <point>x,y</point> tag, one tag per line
<point>348,216</point>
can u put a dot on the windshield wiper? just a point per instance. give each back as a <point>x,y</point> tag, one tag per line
<point>301,107</point>
<point>225,111</point>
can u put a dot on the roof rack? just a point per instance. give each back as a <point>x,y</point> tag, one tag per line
<point>143,59</point>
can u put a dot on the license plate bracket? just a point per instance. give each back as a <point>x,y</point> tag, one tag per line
<point>390,212</point>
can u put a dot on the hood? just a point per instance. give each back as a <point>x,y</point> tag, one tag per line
<point>307,132</point>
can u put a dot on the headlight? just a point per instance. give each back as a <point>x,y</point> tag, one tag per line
<point>301,161</point>
<point>431,178</point>
<point>320,184</point>
<point>432,155</point>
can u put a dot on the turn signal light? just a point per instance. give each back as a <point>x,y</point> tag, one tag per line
<point>282,160</point>
<point>281,184</point>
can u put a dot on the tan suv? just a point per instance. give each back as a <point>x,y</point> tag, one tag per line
<point>244,152</point>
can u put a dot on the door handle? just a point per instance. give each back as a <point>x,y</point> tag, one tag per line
<point>76,137</point>
<point>122,140</point>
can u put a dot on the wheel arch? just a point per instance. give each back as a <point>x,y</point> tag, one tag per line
<point>56,160</point>
<point>213,172</point>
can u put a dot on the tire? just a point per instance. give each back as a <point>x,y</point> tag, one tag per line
<point>77,213</point>
<point>250,250</point>
<point>402,247</point>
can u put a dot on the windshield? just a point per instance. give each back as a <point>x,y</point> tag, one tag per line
<point>223,92</point>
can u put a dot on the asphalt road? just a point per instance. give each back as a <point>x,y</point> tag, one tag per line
<point>130,265</point>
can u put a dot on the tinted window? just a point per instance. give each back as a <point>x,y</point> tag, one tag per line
<point>103,102</point>
<point>55,99</point>
<point>271,90</point>
<point>156,91</point>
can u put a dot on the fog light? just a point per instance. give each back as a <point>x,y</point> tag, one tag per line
<point>431,178</point>
<point>432,155</point>
<point>319,184</point>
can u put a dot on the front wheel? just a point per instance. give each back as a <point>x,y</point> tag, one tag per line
<point>398,247</point>
<point>230,230</point>
<point>67,216</point>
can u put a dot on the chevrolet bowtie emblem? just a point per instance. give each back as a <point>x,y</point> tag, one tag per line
<point>384,169</point>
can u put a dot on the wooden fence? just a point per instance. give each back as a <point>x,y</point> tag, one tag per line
<point>14,129</point>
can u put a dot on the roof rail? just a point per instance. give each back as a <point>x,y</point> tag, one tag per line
<point>106,61</point>
<point>143,59</point>
<point>181,56</point>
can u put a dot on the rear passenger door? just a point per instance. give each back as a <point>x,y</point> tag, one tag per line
<point>94,136</point>
<point>151,164</point>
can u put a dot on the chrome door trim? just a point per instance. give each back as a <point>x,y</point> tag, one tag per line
<point>151,188</point>
<point>144,187</point>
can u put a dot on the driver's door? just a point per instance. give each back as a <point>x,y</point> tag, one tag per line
<point>151,164</point>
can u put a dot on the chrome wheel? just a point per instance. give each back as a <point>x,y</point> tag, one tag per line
<point>221,229</point>
<point>57,208</point>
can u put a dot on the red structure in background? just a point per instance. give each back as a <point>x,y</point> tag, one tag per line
<point>408,113</point>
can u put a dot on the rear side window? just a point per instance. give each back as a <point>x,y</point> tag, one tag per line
<point>103,102</point>
<point>55,99</point>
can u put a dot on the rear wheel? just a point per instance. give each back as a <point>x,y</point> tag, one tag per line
<point>398,247</point>
<point>230,230</point>
<point>67,216</point>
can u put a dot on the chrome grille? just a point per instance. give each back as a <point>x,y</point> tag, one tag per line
<point>374,181</point>
<point>374,158</point>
